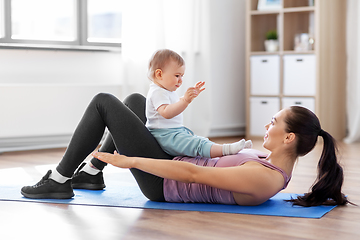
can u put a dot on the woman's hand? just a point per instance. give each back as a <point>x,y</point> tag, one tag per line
<point>115,159</point>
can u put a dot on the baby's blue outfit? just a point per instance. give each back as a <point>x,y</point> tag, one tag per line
<point>182,141</point>
<point>173,137</point>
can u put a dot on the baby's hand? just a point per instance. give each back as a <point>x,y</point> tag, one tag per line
<point>198,87</point>
<point>193,92</point>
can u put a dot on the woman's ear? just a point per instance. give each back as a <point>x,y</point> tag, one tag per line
<point>158,74</point>
<point>290,137</point>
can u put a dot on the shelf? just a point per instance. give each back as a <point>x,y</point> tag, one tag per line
<point>257,12</point>
<point>263,53</point>
<point>296,23</point>
<point>297,96</point>
<point>264,24</point>
<point>298,52</point>
<point>287,5</point>
<point>264,96</point>
<point>254,53</point>
<point>299,9</point>
<point>297,3</point>
<point>283,10</point>
<point>296,17</point>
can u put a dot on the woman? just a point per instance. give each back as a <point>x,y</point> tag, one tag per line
<point>245,179</point>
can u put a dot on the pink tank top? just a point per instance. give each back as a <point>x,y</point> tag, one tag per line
<point>175,191</point>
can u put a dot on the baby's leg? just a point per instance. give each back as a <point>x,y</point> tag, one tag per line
<point>216,150</point>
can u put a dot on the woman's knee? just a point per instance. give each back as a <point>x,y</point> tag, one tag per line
<point>104,100</point>
<point>135,98</point>
<point>137,102</point>
<point>100,97</point>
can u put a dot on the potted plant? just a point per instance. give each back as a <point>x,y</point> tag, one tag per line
<point>271,42</point>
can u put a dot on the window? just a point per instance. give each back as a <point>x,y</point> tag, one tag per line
<point>104,21</point>
<point>2,18</point>
<point>53,20</point>
<point>61,23</point>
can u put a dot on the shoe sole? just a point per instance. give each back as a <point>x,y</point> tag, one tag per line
<point>49,195</point>
<point>88,186</point>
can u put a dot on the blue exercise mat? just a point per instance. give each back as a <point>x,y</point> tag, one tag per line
<point>120,193</point>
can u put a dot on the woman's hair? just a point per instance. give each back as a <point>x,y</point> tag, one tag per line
<point>327,186</point>
<point>161,58</point>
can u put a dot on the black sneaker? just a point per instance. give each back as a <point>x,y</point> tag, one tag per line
<point>83,180</point>
<point>48,188</point>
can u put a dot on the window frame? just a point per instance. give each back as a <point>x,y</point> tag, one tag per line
<point>80,43</point>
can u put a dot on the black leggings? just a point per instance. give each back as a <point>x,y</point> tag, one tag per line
<point>128,135</point>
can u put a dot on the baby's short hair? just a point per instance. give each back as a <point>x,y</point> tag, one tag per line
<point>161,58</point>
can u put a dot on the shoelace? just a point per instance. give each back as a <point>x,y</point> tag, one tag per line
<point>41,182</point>
<point>76,173</point>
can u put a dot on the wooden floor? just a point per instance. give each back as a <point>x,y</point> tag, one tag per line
<point>21,220</point>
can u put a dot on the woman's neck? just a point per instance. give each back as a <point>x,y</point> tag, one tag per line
<point>283,161</point>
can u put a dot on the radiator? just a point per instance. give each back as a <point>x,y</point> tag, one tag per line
<point>43,116</point>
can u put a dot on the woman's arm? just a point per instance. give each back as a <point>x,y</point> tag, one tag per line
<point>176,170</point>
<point>248,179</point>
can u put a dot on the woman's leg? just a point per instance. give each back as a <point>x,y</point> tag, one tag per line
<point>136,103</point>
<point>130,136</point>
<point>107,146</point>
<point>150,185</point>
<point>129,133</point>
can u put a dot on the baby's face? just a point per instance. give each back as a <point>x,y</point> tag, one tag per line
<point>172,74</point>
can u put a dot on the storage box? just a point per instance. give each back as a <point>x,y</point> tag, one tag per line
<point>300,75</point>
<point>265,75</point>
<point>262,109</point>
<point>297,101</point>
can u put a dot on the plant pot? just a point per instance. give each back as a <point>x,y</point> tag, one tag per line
<point>271,45</point>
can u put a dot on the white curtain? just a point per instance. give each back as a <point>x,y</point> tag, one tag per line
<point>353,74</point>
<point>180,25</point>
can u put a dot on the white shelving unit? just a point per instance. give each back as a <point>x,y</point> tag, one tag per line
<point>313,78</point>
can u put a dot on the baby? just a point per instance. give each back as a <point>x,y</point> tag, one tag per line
<point>164,111</point>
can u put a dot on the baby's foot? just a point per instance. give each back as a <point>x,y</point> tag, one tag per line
<point>233,148</point>
<point>248,144</point>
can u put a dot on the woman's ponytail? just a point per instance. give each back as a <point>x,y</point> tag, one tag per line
<point>326,189</point>
<point>327,186</point>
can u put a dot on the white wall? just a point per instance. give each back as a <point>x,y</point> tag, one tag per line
<point>43,93</point>
<point>19,66</point>
<point>61,83</point>
<point>228,67</point>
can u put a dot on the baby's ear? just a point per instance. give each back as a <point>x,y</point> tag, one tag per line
<point>158,74</point>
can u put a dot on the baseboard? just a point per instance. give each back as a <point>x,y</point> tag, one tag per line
<point>37,142</point>
<point>227,131</point>
<point>33,143</point>
<point>60,141</point>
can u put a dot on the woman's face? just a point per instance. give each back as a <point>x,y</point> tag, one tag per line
<point>275,131</point>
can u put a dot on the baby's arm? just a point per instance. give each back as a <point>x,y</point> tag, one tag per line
<point>171,110</point>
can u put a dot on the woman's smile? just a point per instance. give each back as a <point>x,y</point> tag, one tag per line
<point>266,136</point>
